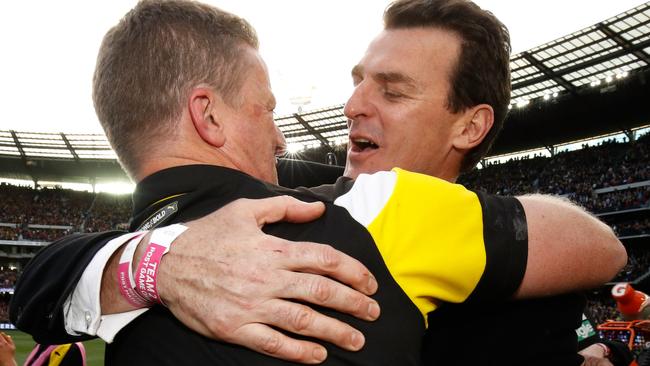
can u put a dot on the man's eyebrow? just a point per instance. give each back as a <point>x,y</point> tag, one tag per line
<point>357,70</point>
<point>387,77</point>
<point>396,77</point>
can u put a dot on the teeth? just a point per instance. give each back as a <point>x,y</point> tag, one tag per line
<point>364,143</point>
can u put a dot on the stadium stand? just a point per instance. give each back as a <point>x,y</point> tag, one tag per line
<point>601,307</point>
<point>607,178</point>
<point>579,174</point>
<point>47,214</point>
<point>591,83</point>
<point>612,180</point>
<point>4,308</point>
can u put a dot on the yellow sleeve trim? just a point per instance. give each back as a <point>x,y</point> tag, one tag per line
<point>430,234</point>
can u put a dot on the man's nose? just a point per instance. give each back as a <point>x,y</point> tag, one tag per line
<point>281,142</point>
<point>358,104</point>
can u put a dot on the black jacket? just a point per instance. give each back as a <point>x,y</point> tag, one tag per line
<point>534,332</point>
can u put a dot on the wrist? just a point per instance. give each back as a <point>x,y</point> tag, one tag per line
<point>125,279</point>
<point>111,299</point>
<point>150,259</point>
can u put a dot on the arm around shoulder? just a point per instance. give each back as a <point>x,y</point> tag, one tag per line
<point>568,248</point>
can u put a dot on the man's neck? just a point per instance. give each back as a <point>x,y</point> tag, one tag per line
<point>152,166</point>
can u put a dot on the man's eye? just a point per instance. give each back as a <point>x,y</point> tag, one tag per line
<point>392,95</point>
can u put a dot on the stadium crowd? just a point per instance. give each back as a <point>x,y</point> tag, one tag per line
<point>4,311</point>
<point>602,308</point>
<point>42,234</point>
<point>638,263</point>
<point>631,228</point>
<point>8,278</point>
<point>578,175</point>
<point>74,210</point>
<point>573,173</point>
<point>108,212</point>
<point>628,199</point>
<point>24,205</point>
<point>4,306</point>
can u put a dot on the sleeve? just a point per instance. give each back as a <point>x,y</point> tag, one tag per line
<point>46,283</point>
<point>505,236</point>
<point>438,240</point>
<point>82,309</point>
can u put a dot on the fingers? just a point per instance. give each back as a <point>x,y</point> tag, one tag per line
<point>263,339</point>
<point>326,292</point>
<point>325,260</point>
<point>7,338</point>
<point>281,208</point>
<point>301,319</point>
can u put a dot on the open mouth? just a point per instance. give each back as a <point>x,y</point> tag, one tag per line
<point>361,144</point>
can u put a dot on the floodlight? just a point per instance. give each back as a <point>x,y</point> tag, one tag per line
<point>295,148</point>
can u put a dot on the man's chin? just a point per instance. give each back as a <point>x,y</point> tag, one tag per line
<point>366,162</point>
<point>353,170</point>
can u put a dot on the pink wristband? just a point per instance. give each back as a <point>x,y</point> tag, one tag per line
<point>161,240</point>
<point>125,274</point>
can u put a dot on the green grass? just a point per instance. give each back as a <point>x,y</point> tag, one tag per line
<point>25,344</point>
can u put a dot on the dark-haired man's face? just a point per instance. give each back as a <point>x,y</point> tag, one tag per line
<point>398,114</point>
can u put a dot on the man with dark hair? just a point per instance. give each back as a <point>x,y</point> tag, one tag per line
<point>409,109</point>
<point>480,76</point>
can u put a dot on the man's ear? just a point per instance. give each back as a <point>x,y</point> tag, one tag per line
<point>204,106</point>
<point>478,122</point>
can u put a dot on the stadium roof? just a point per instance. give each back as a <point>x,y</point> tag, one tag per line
<point>564,75</point>
<point>55,145</point>
<point>612,49</point>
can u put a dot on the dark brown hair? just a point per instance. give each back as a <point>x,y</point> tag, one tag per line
<point>149,62</point>
<point>482,73</point>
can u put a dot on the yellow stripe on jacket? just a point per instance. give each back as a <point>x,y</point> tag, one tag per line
<point>429,232</point>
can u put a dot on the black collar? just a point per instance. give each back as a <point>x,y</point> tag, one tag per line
<point>185,179</point>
